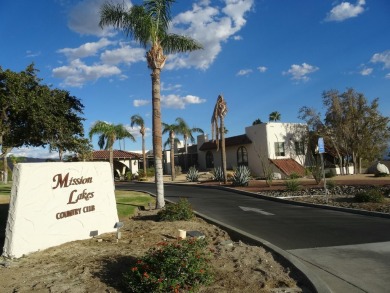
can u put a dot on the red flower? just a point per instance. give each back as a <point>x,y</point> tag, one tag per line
<point>133,269</point>
<point>146,275</point>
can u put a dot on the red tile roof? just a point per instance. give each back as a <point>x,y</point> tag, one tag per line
<point>229,141</point>
<point>289,166</point>
<point>105,155</point>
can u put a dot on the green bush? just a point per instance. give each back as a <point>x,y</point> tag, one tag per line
<point>171,267</point>
<point>330,174</point>
<point>381,175</point>
<point>372,195</point>
<point>218,174</point>
<point>294,175</point>
<point>180,211</point>
<point>292,185</point>
<point>192,174</point>
<point>330,184</point>
<point>241,176</point>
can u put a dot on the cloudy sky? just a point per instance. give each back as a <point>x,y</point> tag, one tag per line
<point>261,55</point>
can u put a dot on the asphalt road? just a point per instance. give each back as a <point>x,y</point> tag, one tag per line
<point>284,225</point>
<point>349,253</point>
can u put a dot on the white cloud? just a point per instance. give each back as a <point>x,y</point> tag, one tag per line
<point>177,102</point>
<point>170,87</point>
<point>262,69</point>
<point>125,54</point>
<point>34,152</point>
<point>77,73</point>
<point>140,103</point>
<point>31,54</point>
<point>345,10</point>
<point>244,72</point>
<point>85,16</point>
<point>237,38</point>
<point>387,76</point>
<point>366,71</point>
<point>300,72</point>
<point>383,57</point>
<point>86,50</point>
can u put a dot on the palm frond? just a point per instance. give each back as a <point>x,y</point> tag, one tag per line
<point>173,43</point>
<point>160,12</point>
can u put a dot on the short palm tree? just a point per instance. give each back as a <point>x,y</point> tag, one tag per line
<point>218,129</point>
<point>172,129</point>
<point>187,132</point>
<point>139,121</point>
<point>274,116</point>
<point>148,24</point>
<point>109,133</point>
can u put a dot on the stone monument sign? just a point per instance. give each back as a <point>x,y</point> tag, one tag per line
<point>54,203</point>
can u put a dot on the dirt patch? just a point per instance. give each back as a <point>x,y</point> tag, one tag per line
<point>97,265</point>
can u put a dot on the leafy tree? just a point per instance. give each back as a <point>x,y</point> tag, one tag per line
<point>352,127</point>
<point>274,116</point>
<point>109,133</point>
<point>148,24</point>
<point>257,121</point>
<point>218,129</point>
<point>139,121</point>
<point>187,132</point>
<point>172,129</point>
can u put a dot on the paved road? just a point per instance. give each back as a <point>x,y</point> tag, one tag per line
<point>350,251</point>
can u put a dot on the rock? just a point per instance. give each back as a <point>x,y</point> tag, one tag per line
<point>276,176</point>
<point>382,169</point>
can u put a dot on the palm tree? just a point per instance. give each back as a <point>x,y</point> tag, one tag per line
<point>257,121</point>
<point>172,129</point>
<point>274,116</point>
<point>187,132</point>
<point>219,113</point>
<point>139,121</point>
<point>109,133</point>
<point>148,24</point>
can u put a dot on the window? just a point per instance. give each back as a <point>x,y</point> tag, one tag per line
<point>209,160</point>
<point>242,156</point>
<point>279,149</point>
<point>299,148</point>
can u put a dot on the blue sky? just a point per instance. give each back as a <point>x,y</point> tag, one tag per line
<point>262,55</point>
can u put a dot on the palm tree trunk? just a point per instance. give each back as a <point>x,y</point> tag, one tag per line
<point>112,161</point>
<point>157,138</point>
<point>144,154</point>
<point>185,154</point>
<point>223,154</point>
<point>172,143</point>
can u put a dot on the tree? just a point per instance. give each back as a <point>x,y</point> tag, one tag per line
<point>187,132</point>
<point>218,130</point>
<point>257,121</point>
<point>274,116</point>
<point>353,128</point>
<point>172,129</point>
<point>139,121</point>
<point>148,24</point>
<point>109,133</point>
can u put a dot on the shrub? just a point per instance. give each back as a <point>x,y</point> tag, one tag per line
<point>192,174</point>
<point>178,170</point>
<point>171,267</point>
<point>372,195</point>
<point>330,174</point>
<point>180,211</point>
<point>292,185</point>
<point>379,174</point>
<point>241,176</point>
<point>218,174</point>
<point>330,184</point>
<point>149,172</point>
<point>294,175</point>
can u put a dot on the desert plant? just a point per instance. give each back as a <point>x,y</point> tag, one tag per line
<point>292,185</point>
<point>218,174</point>
<point>330,184</point>
<point>241,176</point>
<point>330,174</point>
<point>372,195</point>
<point>181,266</point>
<point>192,174</point>
<point>294,175</point>
<point>180,211</point>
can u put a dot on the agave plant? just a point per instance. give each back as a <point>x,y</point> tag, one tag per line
<point>241,176</point>
<point>218,174</point>
<point>192,174</point>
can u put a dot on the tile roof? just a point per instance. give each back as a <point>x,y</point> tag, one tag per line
<point>289,166</point>
<point>105,155</point>
<point>229,141</point>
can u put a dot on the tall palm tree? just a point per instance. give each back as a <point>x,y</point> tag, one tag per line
<point>172,129</point>
<point>148,24</point>
<point>218,129</point>
<point>274,116</point>
<point>139,121</point>
<point>187,132</point>
<point>109,133</point>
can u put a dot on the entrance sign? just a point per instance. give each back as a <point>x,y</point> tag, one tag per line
<point>54,203</point>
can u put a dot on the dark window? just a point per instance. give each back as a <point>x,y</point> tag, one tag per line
<point>299,148</point>
<point>209,160</point>
<point>242,156</point>
<point>279,149</point>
